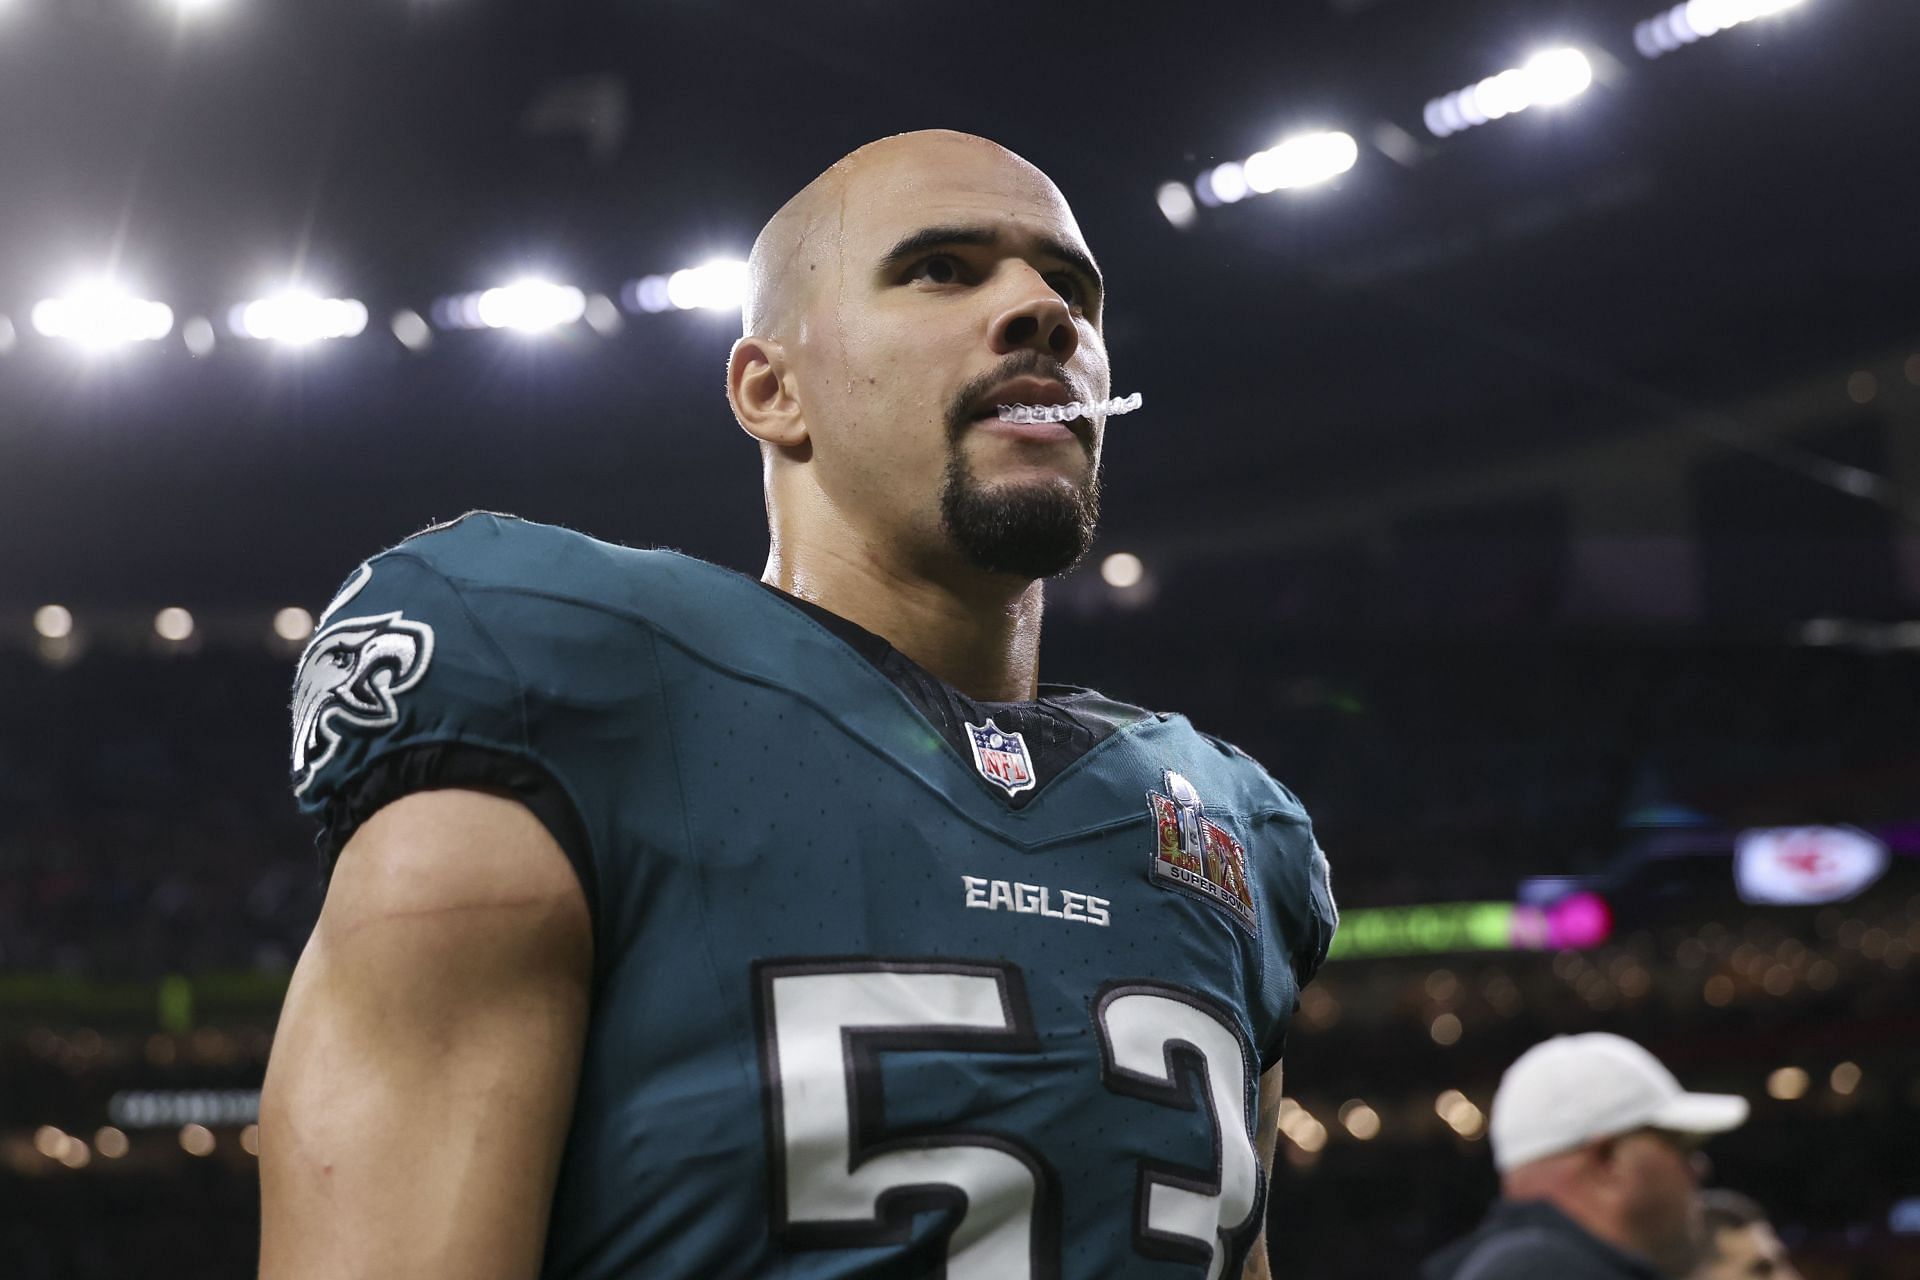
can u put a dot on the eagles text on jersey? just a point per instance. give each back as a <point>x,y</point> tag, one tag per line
<point>870,998</point>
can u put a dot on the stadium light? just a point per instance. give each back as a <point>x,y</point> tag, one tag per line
<point>53,621</point>
<point>530,306</point>
<point>293,624</point>
<point>720,285</point>
<point>1695,20</point>
<point>198,334</point>
<point>1360,1120</point>
<point>1303,160</point>
<point>527,305</point>
<point>1788,1084</point>
<point>1546,79</point>
<point>173,624</point>
<point>297,318</point>
<point>411,331</point>
<point>195,8</point>
<point>603,317</point>
<point>648,294</point>
<point>100,315</point>
<point>1176,202</point>
<point>1122,569</point>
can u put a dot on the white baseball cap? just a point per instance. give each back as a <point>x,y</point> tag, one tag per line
<point>1571,1090</point>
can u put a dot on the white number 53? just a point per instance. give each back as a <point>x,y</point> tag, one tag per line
<point>839,1183</point>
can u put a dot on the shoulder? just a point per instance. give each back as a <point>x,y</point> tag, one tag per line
<point>486,632</point>
<point>1525,1253</point>
<point>1261,789</point>
<point>487,552</point>
<point>531,582</point>
<point>1283,856</point>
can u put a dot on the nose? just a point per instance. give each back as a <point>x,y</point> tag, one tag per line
<point>1039,321</point>
<point>1702,1166</point>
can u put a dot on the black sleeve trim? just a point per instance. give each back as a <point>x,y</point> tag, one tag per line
<point>441,765</point>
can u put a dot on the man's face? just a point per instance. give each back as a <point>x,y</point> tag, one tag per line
<point>1751,1252</point>
<point>1661,1179</point>
<point>962,281</point>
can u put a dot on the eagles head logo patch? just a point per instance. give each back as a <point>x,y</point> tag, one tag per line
<point>350,676</point>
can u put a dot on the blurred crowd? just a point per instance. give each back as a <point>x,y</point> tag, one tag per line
<point>147,825</point>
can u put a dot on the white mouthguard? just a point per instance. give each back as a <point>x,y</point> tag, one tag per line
<point>1069,411</point>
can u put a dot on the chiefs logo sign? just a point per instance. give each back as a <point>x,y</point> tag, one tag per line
<point>1797,865</point>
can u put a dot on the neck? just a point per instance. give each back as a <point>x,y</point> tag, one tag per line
<point>1591,1213</point>
<point>978,632</point>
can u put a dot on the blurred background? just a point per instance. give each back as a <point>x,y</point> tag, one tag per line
<point>1528,476</point>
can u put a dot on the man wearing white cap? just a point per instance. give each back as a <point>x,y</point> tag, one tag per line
<point>1598,1151</point>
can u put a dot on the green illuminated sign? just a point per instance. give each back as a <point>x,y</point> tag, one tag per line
<point>1424,930</point>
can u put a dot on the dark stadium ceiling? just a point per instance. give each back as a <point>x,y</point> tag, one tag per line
<point>1692,230</point>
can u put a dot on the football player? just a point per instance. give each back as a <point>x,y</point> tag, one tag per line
<point>681,924</point>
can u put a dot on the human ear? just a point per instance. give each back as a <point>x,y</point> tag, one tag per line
<point>760,389</point>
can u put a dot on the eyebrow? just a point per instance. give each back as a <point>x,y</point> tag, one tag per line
<point>916,243</point>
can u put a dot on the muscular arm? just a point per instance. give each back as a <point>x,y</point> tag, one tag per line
<point>423,1073</point>
<point>1266,1137</point>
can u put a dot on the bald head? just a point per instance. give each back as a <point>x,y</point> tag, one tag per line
<point>888,304</point>
<point>801,248</point>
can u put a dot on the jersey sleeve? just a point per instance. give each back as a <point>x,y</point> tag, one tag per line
<point>1295,902</point>
<point>409,684</point>
<point>1318,918</point>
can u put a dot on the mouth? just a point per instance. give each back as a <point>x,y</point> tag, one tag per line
<point>1023,391</point>
<point>1033,390</point>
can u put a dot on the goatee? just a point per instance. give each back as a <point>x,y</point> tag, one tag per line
<point>1028,530</point>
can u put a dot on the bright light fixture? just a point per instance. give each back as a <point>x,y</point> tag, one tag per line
<point>1695,20</point>
<point>1303,160</point>
<point>297,318</point>
<point>603,316</point>
<point>53,621</point>
<point>1548,78</point>
<point>1176,203</point>
<point>100,315</point>
<point>530,306</point>
<point>1788,1084</point>
<point>293,624</point>
<point>412,331</point>
<point>1360,1120</point>
<point>173,624</point>
<point>1121,570</point>
<point>720,285</point>
<point>198,334</point>
<point>1229,182</point>
<point>648,294</point>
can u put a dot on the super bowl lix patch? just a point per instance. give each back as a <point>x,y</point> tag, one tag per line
<point>1195,854</point>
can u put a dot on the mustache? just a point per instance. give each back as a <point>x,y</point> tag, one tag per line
<point>1026,363</point>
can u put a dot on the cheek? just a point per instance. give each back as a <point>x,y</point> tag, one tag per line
<point>877,405</point>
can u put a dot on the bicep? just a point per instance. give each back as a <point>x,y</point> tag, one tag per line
<point>422,1075</point>
<point>1266,1138</point>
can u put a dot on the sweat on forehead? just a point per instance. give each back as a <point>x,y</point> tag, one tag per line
<point>873,191</point>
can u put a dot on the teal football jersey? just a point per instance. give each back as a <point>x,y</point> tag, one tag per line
<point>853,1013</point>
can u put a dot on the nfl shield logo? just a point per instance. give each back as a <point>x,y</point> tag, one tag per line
<point>1001,757</point>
